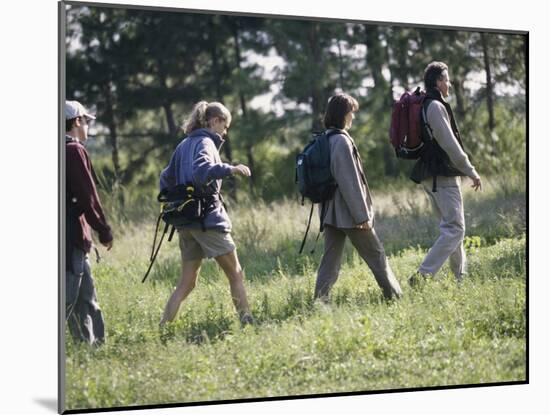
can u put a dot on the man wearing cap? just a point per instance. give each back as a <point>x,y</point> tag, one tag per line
<point>83,210</point>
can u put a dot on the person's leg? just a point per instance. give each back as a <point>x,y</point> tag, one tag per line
<point>89,313</point>
<point>189,273</point>
<point>371,250</point>
<point>330,263</point>
<point>458,263</point>
<point>448,201</point>
<point>74,308</point>
<point>191,260</point>
<point>73,280</point>
<point>232,268</point>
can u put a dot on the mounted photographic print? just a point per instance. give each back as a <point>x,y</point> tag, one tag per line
<point>258,207</point>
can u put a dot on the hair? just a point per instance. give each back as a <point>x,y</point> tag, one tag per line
<point>202,113</point>
<point>433,73</point>
<point>69,124</point>
<point>338,107</point>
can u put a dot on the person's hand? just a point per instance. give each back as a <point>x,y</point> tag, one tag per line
<point>240,169</point>
<point>108,245</point>
<point>365,225</point>
<point>476,183</point>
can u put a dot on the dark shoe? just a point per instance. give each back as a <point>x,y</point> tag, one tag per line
<point>416,279</point>
<point>247,319</point>
<point>166,333</point>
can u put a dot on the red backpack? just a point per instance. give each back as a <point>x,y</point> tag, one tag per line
<point>406,125</point>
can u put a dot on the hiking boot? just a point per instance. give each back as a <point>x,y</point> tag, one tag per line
<point>247,319</point>
<point>166,332</point>
<point>416,279</point>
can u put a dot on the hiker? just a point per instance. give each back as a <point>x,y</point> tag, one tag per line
<point>439,170</point>
<point>197,160</point>
<point>83,210</point>
<point>350,212</point>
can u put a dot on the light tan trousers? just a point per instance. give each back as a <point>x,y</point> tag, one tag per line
<point>448,205</point>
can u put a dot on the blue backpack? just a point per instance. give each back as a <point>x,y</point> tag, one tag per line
<point>313,175</point>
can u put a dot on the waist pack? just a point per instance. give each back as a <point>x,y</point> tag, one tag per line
<point>180,205</point>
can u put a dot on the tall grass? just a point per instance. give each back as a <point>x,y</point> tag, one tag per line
<point>441,334</point>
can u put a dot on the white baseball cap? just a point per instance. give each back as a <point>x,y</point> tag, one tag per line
<point>75,109</point>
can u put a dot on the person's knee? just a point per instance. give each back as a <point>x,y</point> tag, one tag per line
<point>186,285</point>
<point>460,231</point>
<point>455,230</point>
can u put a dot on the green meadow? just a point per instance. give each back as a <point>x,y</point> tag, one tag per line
<point>441,333</point>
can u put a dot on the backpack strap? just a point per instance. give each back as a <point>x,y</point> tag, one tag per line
<point>324,210</point>
<point>307,229</point>
<point>154,251</point>
<point>430,132</point>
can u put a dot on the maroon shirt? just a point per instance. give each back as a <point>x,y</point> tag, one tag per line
<point>82,197</point>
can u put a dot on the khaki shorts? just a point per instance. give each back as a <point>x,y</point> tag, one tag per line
<point>196,244</point>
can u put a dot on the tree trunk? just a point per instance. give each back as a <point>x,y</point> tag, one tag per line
<point>170,119</point>
<point>375,56</point>
<point>316,87</point>
<point>242,100</point>
<point>111,124</point>
<point>392,78</point>
<point>341,66</point>
<point>458,88</point>
<point>113,139</point>
<point>230,181</point>
<point>167,103</point>
<point>391,167</point>
<point>489,81</point>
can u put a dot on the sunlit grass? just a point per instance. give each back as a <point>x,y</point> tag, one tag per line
<point>440,334</point>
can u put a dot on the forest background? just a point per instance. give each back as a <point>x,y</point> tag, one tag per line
<point>142,71</point>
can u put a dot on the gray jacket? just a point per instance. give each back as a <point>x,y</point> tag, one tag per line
<point>352,202</point>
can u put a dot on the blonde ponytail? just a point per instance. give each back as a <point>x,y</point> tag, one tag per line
<point>202,113</point>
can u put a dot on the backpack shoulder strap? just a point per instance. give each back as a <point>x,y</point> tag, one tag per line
<point>356,155</point>
<point>427,101</point>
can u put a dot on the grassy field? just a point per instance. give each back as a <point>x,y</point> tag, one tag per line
<point>440,334</point>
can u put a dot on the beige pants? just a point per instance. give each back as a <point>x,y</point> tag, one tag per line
<point>369,248</point>
<point>198,244</point>
<point>448,205</point>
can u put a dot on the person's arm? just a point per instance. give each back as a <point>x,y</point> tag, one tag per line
<point>168,175</point>
<point>81,185</point>
<point>438,119</point>
<point>204,168</point>
<point>348,177</point>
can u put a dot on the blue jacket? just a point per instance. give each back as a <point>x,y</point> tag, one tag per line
<point>197,160</point>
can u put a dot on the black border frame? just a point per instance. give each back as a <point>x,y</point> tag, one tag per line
<point>61,207</point>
